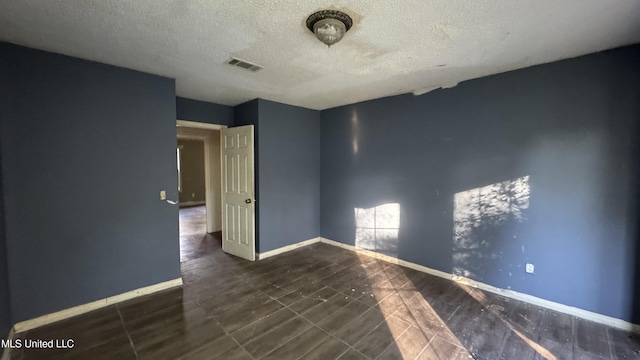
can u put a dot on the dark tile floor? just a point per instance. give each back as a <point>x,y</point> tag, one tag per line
<point>324,302</point>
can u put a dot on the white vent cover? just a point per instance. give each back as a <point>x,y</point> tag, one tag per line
<point>244,64</point>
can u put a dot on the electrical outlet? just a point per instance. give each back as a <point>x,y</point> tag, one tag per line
<point>163,195</point>
<point>529,268</point>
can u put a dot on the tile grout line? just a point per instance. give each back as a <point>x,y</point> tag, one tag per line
<point>253,322</point>
<point>427,346</point>
<point>353,299</point>
<point>232,337</point>
<point>394,339</point>
<point>288,341</point>
<point>237,342</point>
<point>504,339</point>
<point>438,332</point>
<point>270,330</point>
<point>363,336</point>
<point>610,344</point>
<point>124,326</point>
<point>280,267</point>
<point>256,320</point>
<point>338,293</point>
<point>300,314</point>
<point>331,336</point>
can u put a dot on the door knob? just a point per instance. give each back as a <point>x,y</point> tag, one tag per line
<point>248,201</point>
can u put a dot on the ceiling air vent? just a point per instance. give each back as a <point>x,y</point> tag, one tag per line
<point>244,64</point>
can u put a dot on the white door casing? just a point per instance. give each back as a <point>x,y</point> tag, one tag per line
<point>238,192</point>
<point>210,135</point>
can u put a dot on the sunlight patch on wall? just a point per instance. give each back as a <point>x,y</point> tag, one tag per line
<point>478,215</point>
<point>377,228</point>
<point>355,130</point>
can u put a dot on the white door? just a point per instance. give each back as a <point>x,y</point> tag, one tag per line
<point>238,200</point>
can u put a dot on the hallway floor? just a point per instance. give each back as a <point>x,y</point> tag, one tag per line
<point>194,240</point>
<point>325,302</point>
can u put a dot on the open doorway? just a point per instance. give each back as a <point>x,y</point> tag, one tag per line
<point>198,170</point>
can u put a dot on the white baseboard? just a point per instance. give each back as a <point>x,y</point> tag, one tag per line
<point>570,310</point>
<point>191,203</point>
<point>388,258</point>
<point>566,309</point>
<point>287,248</point>
<point>84,308</point>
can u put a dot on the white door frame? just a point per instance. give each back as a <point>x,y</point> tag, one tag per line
<point>188,130</point>
<point>199,125</point>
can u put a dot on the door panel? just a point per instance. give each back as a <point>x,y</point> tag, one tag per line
<point>238,234</point>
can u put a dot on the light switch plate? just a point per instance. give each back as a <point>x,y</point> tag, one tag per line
<point>163,195</point>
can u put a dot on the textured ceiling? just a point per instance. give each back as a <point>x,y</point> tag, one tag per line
<point>394,47</point>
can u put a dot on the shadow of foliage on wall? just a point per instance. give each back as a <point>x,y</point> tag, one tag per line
<point>482,217</point>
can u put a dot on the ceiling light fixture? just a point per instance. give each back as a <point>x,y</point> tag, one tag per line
<point>329,25</point>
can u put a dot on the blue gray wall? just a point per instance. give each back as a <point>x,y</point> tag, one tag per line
<point>5,314</point>
<point>567,130</point>
<point>92,145</point>
<point>634,232</point>
<point>86,147</point>
<point>289,177</point>
<point>202,111</point>
<point>287,157</point>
